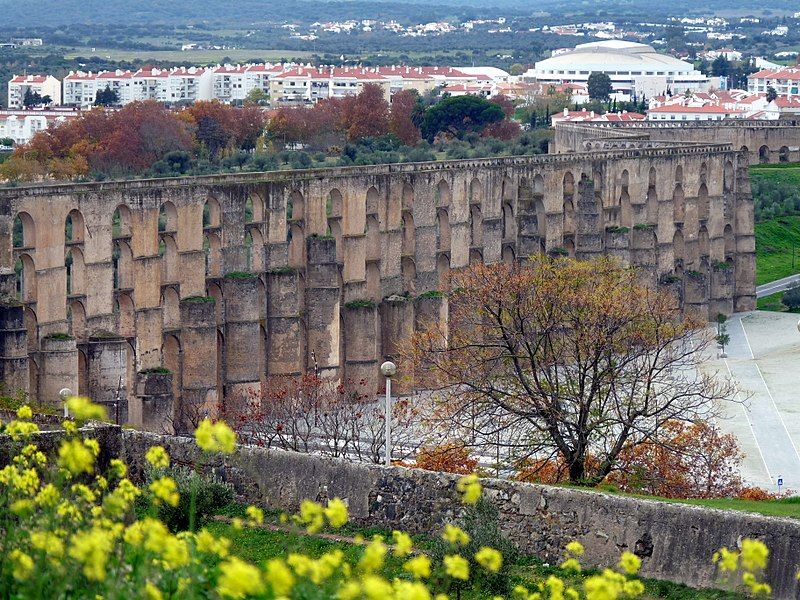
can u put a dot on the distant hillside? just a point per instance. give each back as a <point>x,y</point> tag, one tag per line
<point>61,12</point>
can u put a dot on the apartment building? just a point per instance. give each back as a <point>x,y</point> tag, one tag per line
<point>785,81</point>
<point>173,86</point>
<point>307,85</point>
<point>22,125</point>
<point>44,85</point>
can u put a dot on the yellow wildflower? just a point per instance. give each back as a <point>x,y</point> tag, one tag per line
<point>630,563</point>
<point>206,542</point>
<point>19,430</point>
<point>165,490</point>
<point>311,515</point>
<point>727,560</point>
<point>419,566</point>
<point>575,548</point>
<point>24,412</point>
<point>76,456</point>
<point>373,556</point>
<point>117,468</point>
<point>92,548</point>
<point>455,535</point>
<point>279,577</point>
<point>157,457</point>
<point>21,507</point>
<point>239,579</point>
<point>470,489</point>
<point>175,552</point>
<point>215,437</point>
<point>151,592</point>
<point>22,564</point>
<point>376,587</point>
<point>754,554</point>
<point>83,409</point>
<point>456,566</point>
<point>489,558</point>
<point>255,514</point>
<point>336,513</point>
<point>411,590</point>
<point>402,543</point>
<point>48,542</point>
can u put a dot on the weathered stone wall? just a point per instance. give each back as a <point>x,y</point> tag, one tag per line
<point>225,280</point>
<point>675,541</point>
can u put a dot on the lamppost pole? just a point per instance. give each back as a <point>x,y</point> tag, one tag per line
<point>388,370</point>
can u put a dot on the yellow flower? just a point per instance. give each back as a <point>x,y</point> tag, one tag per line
<point>489,558</point>
<point>571,564</point>
<point>48,542</point>
<point>455,535</point>
<point>376,587</point>
<point>76,456</point>
<point>175,552</point>
<point>92,548</point>
<point>470,489</point>
<point>157,457</point>
<point>373,556</point>
<point>47,496</point>
<point>255,514</point>
<point>728,561</point>
<point>419,566</point>
<point>754,554</point>
<point>215,437</point>
<point>633,588</point>
<point>19,430</point>
<point>117,468</point>
<point>239,579</point>
<point>402,543</point>
<point>336,513</point>
<point>279,577</point>
<point>311,515</point>
<point>575,548</point>
<point>83,409</point>
<point>151,592</point>
<point>411,590</point>
<point>456,566</point>
<point>22,564</point>
<point>206,542</point>
<point>165,490</point>
<point>630,563</point>
<point>21,507</point>
<point>24,412</point>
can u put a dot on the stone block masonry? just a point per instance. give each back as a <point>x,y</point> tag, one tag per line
<point>210,285</point>
<point>674,541</point>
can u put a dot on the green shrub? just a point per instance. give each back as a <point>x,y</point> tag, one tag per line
<point>791,298</point>
<point>360,304</point>
<point>155,370</point>
<point>200,299</point>
<point>240,275</point>
<point>430,294</point>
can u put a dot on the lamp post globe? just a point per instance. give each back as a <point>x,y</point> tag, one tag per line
<point>388,369</point>
<point>798,326</point>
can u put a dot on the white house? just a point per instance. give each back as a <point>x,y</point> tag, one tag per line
<point>44,85</point>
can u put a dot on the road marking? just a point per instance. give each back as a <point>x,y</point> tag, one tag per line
<point>750,423</point>
<point>780,416</point>
<point>746,339</point>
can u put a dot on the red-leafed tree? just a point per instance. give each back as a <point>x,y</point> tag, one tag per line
<point>219,126</point>
<point>366,114</point>
<point>502,130</point>
<point>505,103</point>
<point>401,117</point>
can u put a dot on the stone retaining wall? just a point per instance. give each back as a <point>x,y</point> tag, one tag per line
<point>675,541</point>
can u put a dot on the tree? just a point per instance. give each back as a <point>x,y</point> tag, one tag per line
<point>257,96</point>
<point>599,86</point>
<point>723,338</point>
<point>791,298</point>
<point>401,116</point>
<point>366,114</point>
<point>563,359</point>
<point>450,458</point>
<point>31,98</point>
<point>720,67</point>
<point>106,97</point>
<point>456,115</point>
<point>772,94</point>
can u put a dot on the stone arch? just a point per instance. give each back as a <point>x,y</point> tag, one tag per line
<point>296,208</point>
<point>333,211</point>
<point>703,203</point>
<point>569,246</point>
<point>212,214</point>
<point>728,177</point>
<point>408,197</point>
<point>31,323</point>
<point>568,198</point>
<point>443,229</point>
<point>167,218</point>
<point>651,199</point>
<point>508,255</point>
<point>212,246</point>
<point>256,250</point>
<point>475,257</point>
<point>247,245</point>
<point>172,359</point>
<point>678,250</point>
<point>704,246</point>
<point>121,222</point>
<point>475,192</point>
<point>76,315</point>
<point>25,275</point>
<point>443,271</point>
<point>373,276</point>
<point>23,231</point>
<point>509,224</point>
<point>126,315</point>
<point>763,154</point>
<point>476,226</point>
<point>394,211</point>
<point>703,172</point>
<point>624,202</point>
<point>170,260</point>
<point>443,193</point>
<point>730,243</point>
<point>408,271</point>
<point>214,291</point>
<point>74,227</point>
<point>170,308</point>
<point>297,244</point>
<point>76,272</point>
<point>122,264</point>
<point>372,201</point>
<point>249,210</point>
<point>783,154</point>
<point>408,245</point>
<point>678,204</point>
<point>373,239</point>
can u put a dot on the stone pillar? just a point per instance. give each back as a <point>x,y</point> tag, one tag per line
<point>152,406</point>
<point>722,283</point>
<point>201,367</point>
<point>588,229</point>
<point>643,255</point>
<point>286,342</point>
<point>673,286</point>
<point>617,244</point>
<point>244,347</point>
<point>58,368</point>
<point>323,307</point>
<point>361,344</point>
<point>744,295</point>
<point>397,327</point>
<point>695,294</point>
<point>13,347</point>
<point>429,309</point>
<point>107,359</point>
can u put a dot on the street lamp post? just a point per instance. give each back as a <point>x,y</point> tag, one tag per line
<point>388,370</point>
<point>64,394</point>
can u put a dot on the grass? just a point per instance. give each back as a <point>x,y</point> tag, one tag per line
<point>771,302</point>
<point>258,545</point>
<point>188,57</point>
<point>775,240</point>
<point>788,507</point>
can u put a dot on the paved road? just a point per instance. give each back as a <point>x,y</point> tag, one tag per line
<point>764,357</point>
<point>773,287</point>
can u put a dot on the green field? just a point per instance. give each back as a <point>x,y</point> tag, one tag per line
<point>189,57</point>
<point>776,241</point>
<point>786,172</point>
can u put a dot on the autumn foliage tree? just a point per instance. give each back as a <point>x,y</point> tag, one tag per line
<point>366,114</point>
<point>449,457</point>
<point>566,360</point>
<point>219,126</point>
<point>401,117</point>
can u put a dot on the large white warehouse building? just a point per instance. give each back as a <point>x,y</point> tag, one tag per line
<point>633,68</point>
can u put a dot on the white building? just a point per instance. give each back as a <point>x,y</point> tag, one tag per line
<point>22,125</point>
<point>307,85</point>
<point>229,83</point>
<point>784,80</point>
<point>44,85</point>
<point>174,85</point>
<point>632,67</point>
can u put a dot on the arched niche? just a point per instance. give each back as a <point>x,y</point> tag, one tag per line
<point>408,270</point>
<point>297,245</point>
<point>170,260</point>
<point>122,264</point>
<point>509,222</point>
<point>475,192</point>
<point>74,227</point>
<point>212,215</point>
<point>170,308</point>
<point>443,194</point>
<point>372,201</point>
<point>76,317</point>
<point>568,199</point>
<point>651,200</point>
<point>763,154</point>
<point>443,271</point>
<point>373,239</point>
<point>443,229</point>
<point>296,207</point>
<point>408,197</point>
<point>409,235</point>
<point>678,250</point>
<point>624,202</point>
<point>212,246</point>
<point>121,222</point>
<point>25,276</point>
<point>76,272</point>
<point>678,204</point>
<point>167,218</point>
<point>476,226</point>
<point>23,231</point>
<point>730,243</point>
<point>125,315</point>
<point>703,203</point>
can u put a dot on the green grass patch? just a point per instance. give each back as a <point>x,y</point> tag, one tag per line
<point>776,241</point>
<point>771,302</point>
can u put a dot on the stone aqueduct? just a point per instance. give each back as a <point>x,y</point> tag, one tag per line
<point>173,294</point>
